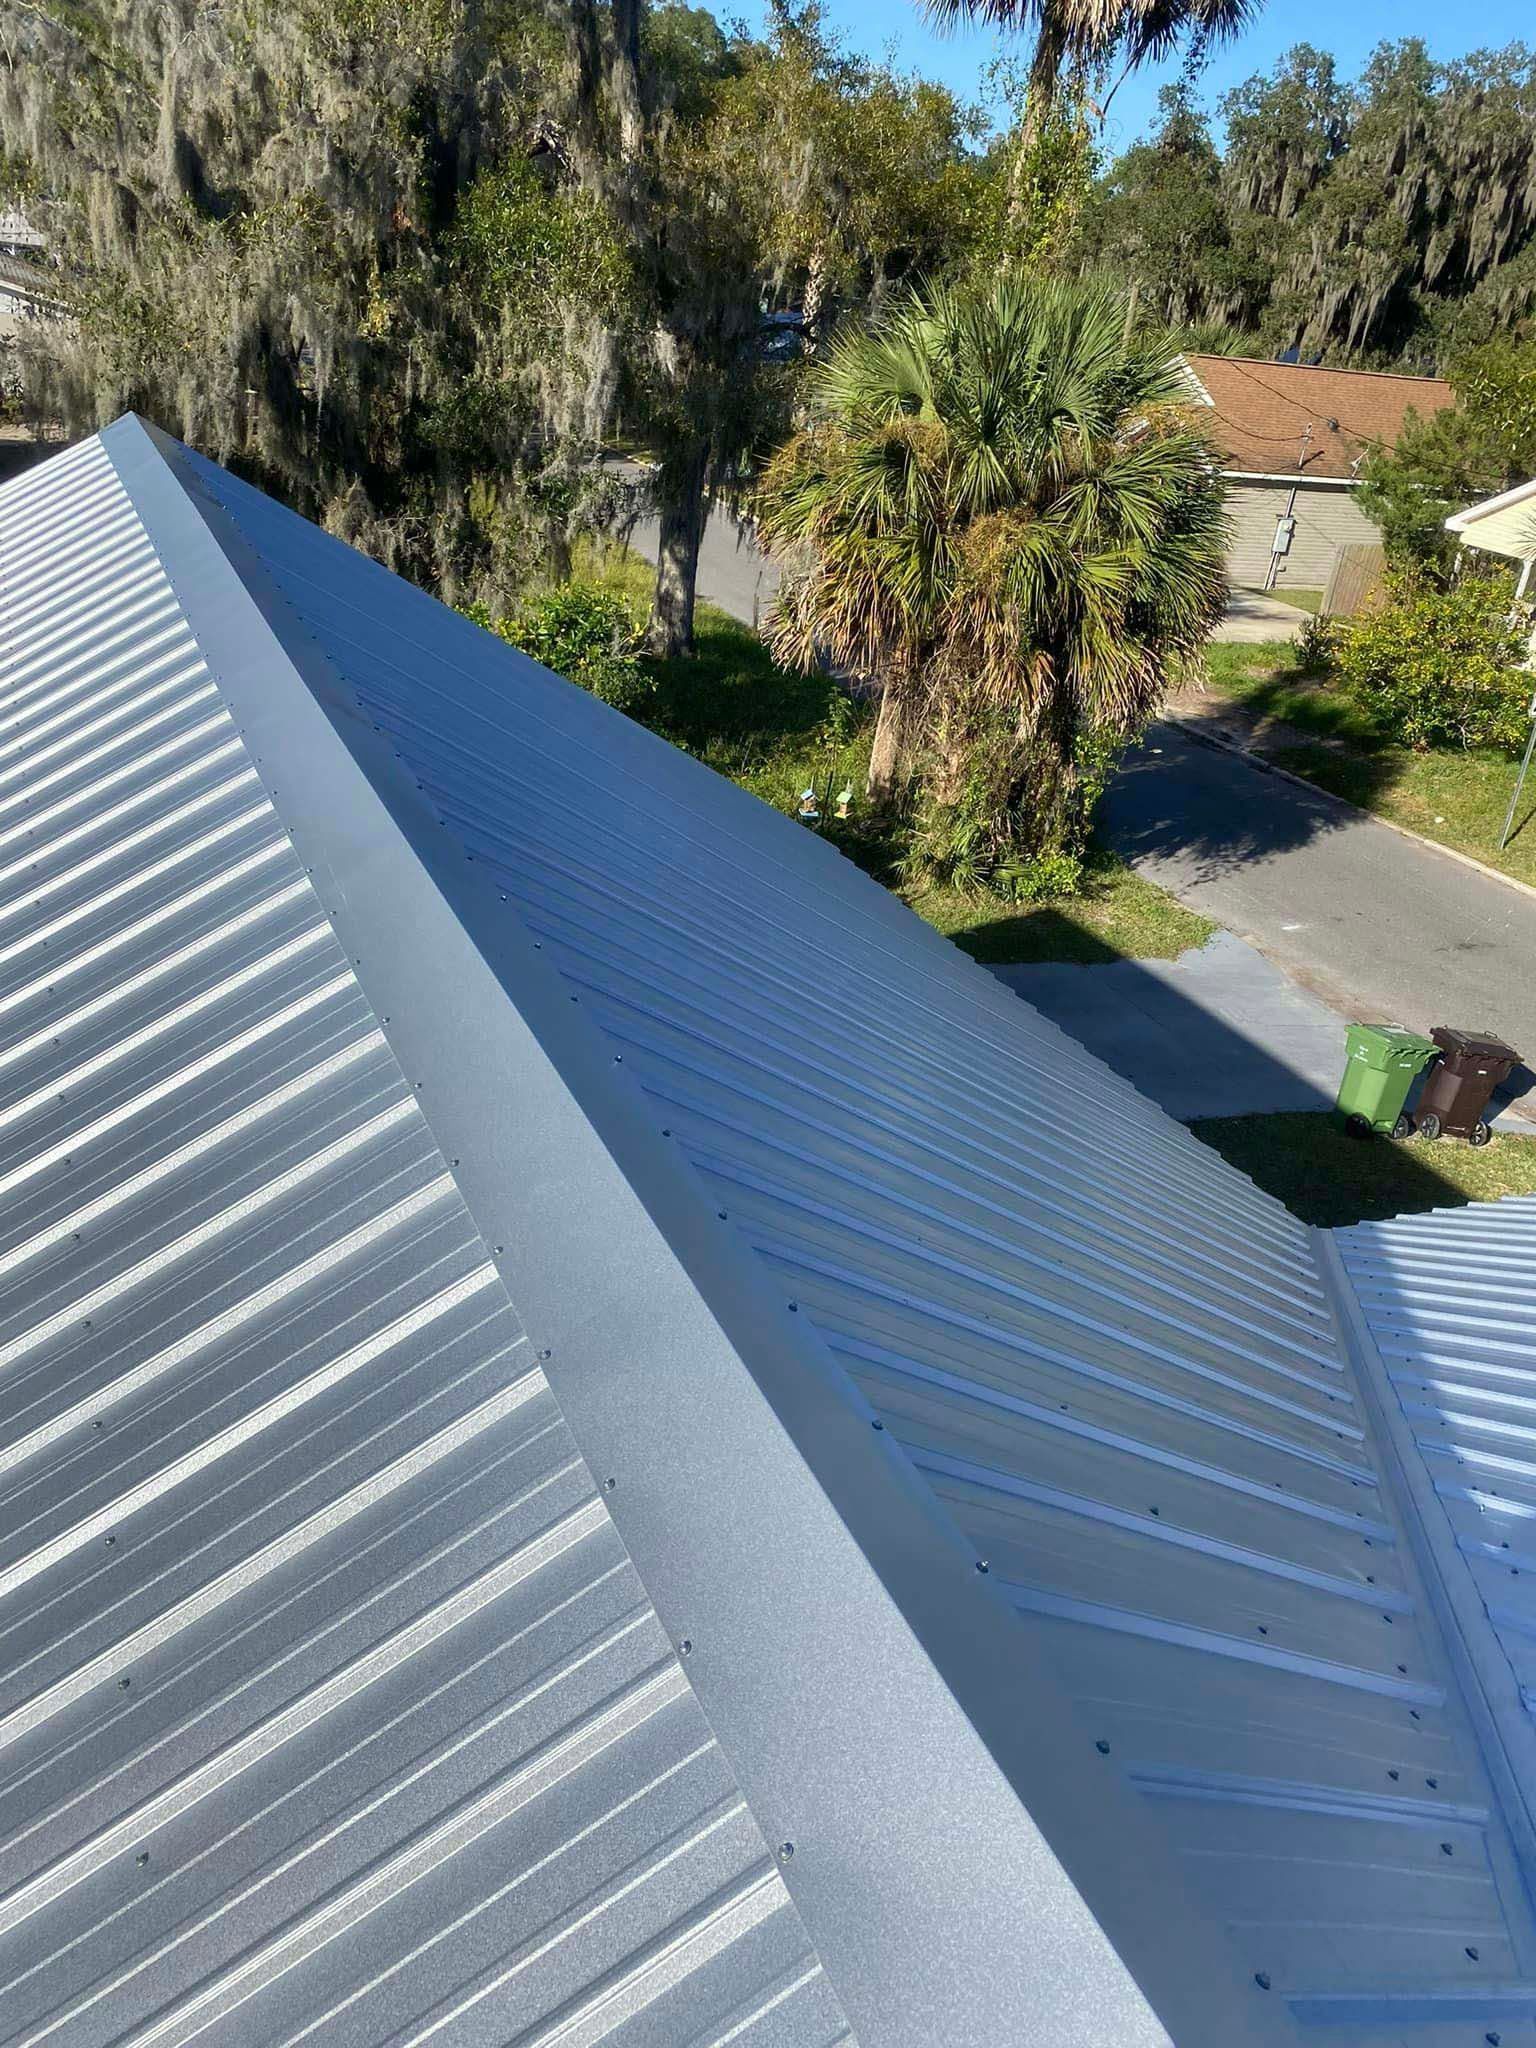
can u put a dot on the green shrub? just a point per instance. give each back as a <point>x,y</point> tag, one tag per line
<point>1439,668</point>
<point>1316,645</point>
<point>589,634</point>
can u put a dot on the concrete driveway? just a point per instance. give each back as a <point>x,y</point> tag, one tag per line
<point>1256,615</point>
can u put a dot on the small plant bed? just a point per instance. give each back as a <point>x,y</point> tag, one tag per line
<point>1454,795</point>
<point>1326,1177</point>
<point>778,733</point>
<point>1116,916</point>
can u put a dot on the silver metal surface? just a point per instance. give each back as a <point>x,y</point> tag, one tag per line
<point>1445,1306</point>
<point>1112,1362</point>
<point>331,1706</point>
<point>1059,1666</point>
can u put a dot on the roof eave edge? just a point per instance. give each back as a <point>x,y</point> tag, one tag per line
<point>765,1515</point>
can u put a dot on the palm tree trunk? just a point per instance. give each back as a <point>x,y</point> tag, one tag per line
<point>1039,98</point>
<point>887,754</point>
<point>677,555</point>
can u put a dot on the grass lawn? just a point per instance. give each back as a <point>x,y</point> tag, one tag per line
<point>1304,600</point>
<point>1326,1177</point>
<point>777,733</point>
<point>1455,797</point>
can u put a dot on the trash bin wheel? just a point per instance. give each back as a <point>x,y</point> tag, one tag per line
<point>1358,1126</point>
<point>1403,1128</point>
<point>1479,1134</point>
<point>1429,1125</point>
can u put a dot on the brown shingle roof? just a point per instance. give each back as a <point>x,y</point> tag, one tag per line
<point>1262,411</point>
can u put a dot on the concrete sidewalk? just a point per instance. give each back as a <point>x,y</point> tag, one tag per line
<point>1221,1031</point>
<point>1259,615</point>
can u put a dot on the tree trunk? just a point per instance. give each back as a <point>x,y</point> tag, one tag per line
<point>677,554</point>
<point>887,754</point>
<point>815,294</point>
<point>1039,98</point>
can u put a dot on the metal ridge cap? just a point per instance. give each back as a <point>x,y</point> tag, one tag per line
<point>943,1818</point>
<point>1489,1687</point>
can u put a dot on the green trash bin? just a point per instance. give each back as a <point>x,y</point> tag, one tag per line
<point>1380,1065</point>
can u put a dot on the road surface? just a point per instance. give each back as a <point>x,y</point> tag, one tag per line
<point>1378,925</point>
<point>732,574</point>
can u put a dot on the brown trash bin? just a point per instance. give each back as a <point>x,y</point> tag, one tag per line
<point>1457,1087</point>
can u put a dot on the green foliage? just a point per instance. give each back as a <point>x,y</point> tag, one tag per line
<point>589,635</point>
<point>527,249</point>
<point>1439,668</point>
<point>1388,221</point>
<point>1316,645</point>
<point>1002,511</point>
<point>1442,464</point>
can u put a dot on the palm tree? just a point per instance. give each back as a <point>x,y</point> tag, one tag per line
<point>1002,511</point>
<point>1088,33</point>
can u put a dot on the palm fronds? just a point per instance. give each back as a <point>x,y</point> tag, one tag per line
<point>1004,513</point>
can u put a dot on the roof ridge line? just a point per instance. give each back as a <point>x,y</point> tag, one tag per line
<point>764,1513</point>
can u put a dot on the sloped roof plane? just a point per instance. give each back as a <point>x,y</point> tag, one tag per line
<point>674,1464</point>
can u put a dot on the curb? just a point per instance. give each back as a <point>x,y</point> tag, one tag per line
<point>1258,760</point>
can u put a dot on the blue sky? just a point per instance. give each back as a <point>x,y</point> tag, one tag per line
<point>1347,28</point>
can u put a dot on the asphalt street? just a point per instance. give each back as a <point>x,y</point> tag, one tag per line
<point>1380,926</point>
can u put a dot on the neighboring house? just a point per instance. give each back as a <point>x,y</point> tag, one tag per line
<point>1295,440</point>
<point>607,1441</point>
<point>27,294</point>
<point>1504,526</point>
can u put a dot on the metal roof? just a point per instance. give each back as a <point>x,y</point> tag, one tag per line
<point>1445,1310</point>
<point>1062,1644</point>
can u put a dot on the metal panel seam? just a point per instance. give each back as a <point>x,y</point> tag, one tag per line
<point>1503,1730</point>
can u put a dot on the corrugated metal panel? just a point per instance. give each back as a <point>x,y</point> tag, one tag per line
<point>330,1703</point>
<point>1450,1299</point>
<point>1111,1357</point>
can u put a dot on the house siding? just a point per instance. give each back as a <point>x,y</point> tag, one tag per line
<point>1327,518</point>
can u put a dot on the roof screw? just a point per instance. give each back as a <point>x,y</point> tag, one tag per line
<point>685,1647</point>
<point>877,1423</point>
<point>794,1308</point>
<point>544,1354</point>
<point>1102,1748</point>
<point>666,1134</point>
<point>123,1684</point>
<point>609,1485</point>
<point>982,1565</point>
<point>1394,1776</point>
<point>1446,1849</point>
<point>1472,1955</point>
<point>721,1214</point>
<point>1261,1978</point>
<point>1492,2040</point>
<point>143,1858</point>
<point>786,1851</point>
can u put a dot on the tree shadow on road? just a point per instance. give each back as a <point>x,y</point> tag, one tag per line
<point>1183,799</point>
